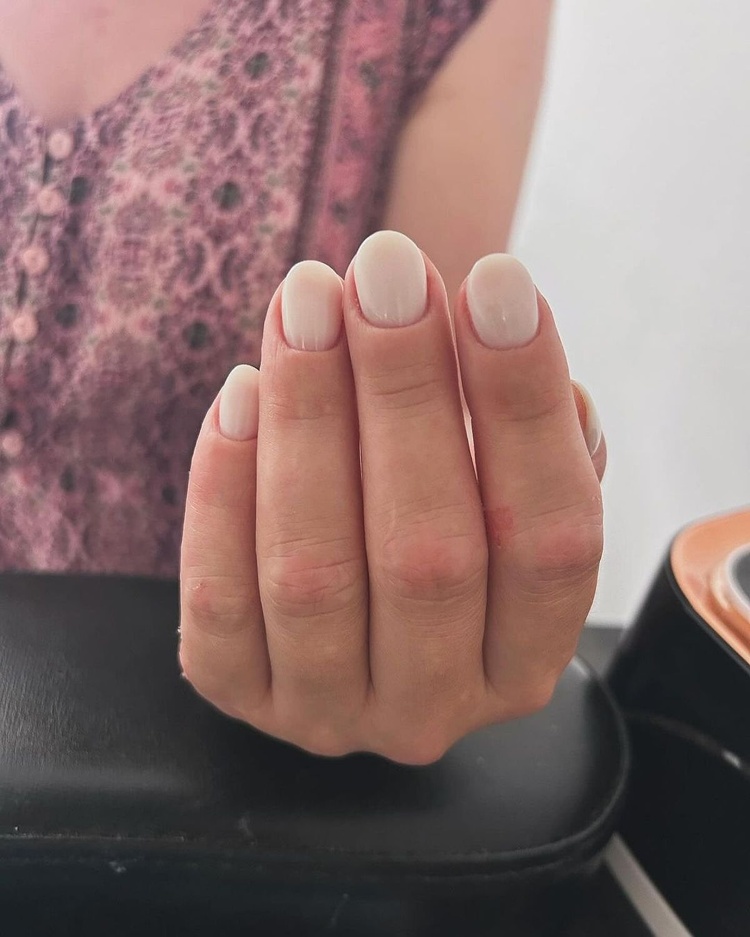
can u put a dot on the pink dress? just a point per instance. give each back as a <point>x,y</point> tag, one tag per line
<point>139,248</point>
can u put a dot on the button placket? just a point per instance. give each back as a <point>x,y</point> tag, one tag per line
<point>57,148</point>
<point>53,151</point>
<point>50,200</point>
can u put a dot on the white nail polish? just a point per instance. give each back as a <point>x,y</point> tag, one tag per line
<point>311,306</point>
<point>502,301</point>
<point>391,279</point>
<point>593,430</point>
<point>239,403</point>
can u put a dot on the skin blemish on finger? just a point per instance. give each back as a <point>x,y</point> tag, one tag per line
<point>499,523</point>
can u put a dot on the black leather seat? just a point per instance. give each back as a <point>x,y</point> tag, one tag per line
<point>129,806</point>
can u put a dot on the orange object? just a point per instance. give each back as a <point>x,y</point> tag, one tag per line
<point>707,560</point>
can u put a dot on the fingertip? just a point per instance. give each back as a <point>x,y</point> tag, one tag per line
<point>311,300</point>
<point>580,403</point>
<point>391,279</point>
<point>599,459</point>
<point>239,402</point>
<point>588,417</point>
<point>502,302</point>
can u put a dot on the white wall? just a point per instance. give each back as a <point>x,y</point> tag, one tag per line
<point>635,222</point>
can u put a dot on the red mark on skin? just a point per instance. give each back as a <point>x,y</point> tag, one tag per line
<point>499,523</point>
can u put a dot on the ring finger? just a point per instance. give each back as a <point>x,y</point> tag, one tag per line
<point>540,490</point>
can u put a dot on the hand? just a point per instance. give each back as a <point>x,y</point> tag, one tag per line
<point>396,601</point>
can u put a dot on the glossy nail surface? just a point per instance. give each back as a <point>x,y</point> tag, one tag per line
<point>593,429</point>
<point>502,301</point>
<point>238,404</point>
<point>311,306</point>
<point>391,280</point>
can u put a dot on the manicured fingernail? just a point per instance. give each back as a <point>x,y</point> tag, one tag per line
<point>391,279</point>
<point>592,431</point>
<point>239,403</point>
<point>502,301</point>
<point>311,306</point>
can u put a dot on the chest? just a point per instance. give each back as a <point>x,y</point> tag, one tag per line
<point>68,59</point>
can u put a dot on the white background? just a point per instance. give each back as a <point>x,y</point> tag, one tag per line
<point>635,223</point>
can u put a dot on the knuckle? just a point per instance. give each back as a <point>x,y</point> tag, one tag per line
<point>532,401</point>
<point>216,605</point>
<point>299,584</point>
<point>295,404</point>
<point>559,552</point>
<point>432,567</point>
<point>413,387</point>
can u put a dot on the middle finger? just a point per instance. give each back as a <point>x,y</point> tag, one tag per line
<point>424,529</point>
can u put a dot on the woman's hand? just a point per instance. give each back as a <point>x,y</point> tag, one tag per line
<point>394,600</point>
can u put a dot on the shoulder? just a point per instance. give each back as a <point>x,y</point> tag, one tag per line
<point>477,41</point>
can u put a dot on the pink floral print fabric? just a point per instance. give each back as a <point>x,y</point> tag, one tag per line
<point>140,246</point>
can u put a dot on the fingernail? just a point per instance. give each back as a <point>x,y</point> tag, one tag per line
<point>239,403</point>
<point>592,431</point>
<point>311,306</point>
<point>391,279</point>
<point>502,301</point>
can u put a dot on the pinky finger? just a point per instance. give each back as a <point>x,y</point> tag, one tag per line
<point>223,649</point>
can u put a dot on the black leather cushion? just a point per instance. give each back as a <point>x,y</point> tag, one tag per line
<point>125,798</point>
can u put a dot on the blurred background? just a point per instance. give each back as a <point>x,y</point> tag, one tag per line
<point>635,223</point>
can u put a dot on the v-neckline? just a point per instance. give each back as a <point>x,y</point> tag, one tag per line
<point>41,126</point>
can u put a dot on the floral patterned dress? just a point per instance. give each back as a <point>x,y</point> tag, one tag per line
<point>140,246</point>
